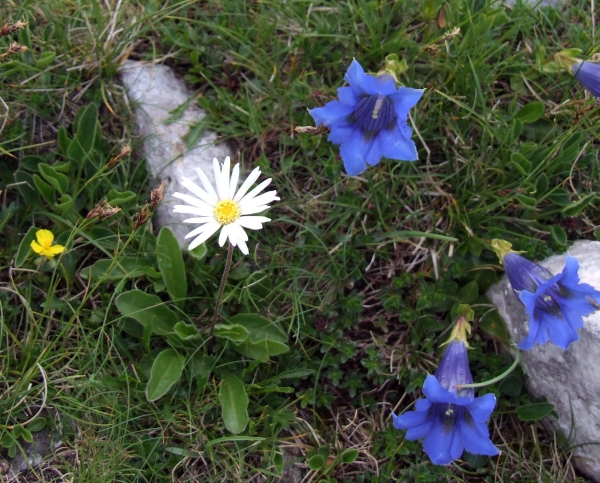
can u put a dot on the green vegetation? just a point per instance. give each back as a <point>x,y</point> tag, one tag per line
<point>353,285</point>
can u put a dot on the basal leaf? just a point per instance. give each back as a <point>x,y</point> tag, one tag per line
<point>149,310</point>
<point>166,371</point>
<point>234,403</point>
<point>170,264</point>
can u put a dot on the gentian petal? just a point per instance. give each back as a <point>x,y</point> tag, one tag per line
<point>332,111</point>
<point>360,82</point>
<point>396,146</point>
<point>524,274</point>
<point>419,431</point>
<point>588,73</point>
<point>353,154</point>
<point>374,153</point>
<point>481,408</point>
<point>439,444</point>
<point>404,99</point>
<point>339,135</point>
<point>410,419</point>
<point>475,438</point>
<point>347,96</point>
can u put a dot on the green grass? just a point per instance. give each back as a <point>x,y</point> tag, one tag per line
<point>362,274</point>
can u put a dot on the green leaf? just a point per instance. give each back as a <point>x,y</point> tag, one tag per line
<point>86,128</point>
<point>234,403</point>
<point>65,203</point>
<point>541,185</point>
<point>469,293</point>
<point>558,234</point>
<point>575,208</point>
<point>349,455</point>
<point>124,267</point>
<point>239,273</point>
<point>64,141</point>
<point>530,112</point>
<point>475,460</point>
<point>494,325</point>
<point>27,187</point>
<point>170,264</point>
<point>57,180</point>
<point>83,142</point>
<point>166,371</point>
<point>511,385</point>
<point>37,425</point>
<point>233,332</point>
<point>119,198</point>
<point>186,331</point>
<point>526,201</point>
<point>7,440</point>
<point>559,196</point>
<point>26,435</point>
<point>265,338</point>
<point>521,163</point>
<point>534,412</point>
<point>149,310</point>
<point>45,189</point>
<point>199,252</point>
<point>25,246</point>
<point>316,462</point>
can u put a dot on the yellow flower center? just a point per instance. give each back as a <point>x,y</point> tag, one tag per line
<point>227,211</point>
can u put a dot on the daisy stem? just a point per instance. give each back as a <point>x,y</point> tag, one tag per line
<point>221,289</point>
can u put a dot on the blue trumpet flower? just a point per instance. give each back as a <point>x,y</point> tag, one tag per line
<point>450,419</point>
<point>555,304</point>
<point>369,120</point>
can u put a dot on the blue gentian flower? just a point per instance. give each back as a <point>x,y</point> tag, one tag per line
<point>588,73</point>
<point>369,120</point>
<point>450,419</point>
<point>555,304</point>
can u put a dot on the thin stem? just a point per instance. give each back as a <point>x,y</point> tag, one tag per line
<point>497,378</point>
<point>221,289</point>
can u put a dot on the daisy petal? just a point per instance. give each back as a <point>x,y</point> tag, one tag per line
<point>199,192</point>
<point>207,185</point>
<point>201,220</point>
<point>246,184</point>
<point>204,236</point>
<point>191,210</point>
<point>235,174</point>
<point>194,201</point>
<point>253,222</point>
<point>224,234</point>
<point>256,191</point>
<point>202,229</point>
<point>223,182</point>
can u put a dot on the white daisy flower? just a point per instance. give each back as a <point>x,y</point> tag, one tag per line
<point>225,207</point>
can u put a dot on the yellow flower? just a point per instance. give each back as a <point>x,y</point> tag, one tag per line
<point>43,246</point>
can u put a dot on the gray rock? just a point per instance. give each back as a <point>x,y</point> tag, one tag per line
<point>156,92</point>
<point>569,379</point>
<point>44,442</point>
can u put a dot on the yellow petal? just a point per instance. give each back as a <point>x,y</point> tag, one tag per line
<point>55,250</point>
<point>44,238</point>
<point>36,247</point>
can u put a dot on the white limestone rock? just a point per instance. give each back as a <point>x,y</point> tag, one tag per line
<point>569,379</point>
<point>156,92</point>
